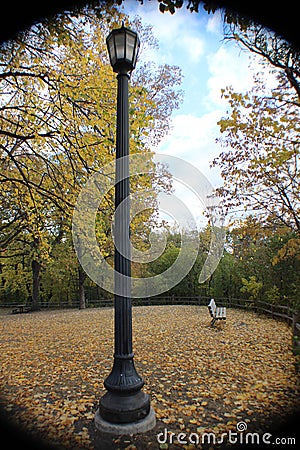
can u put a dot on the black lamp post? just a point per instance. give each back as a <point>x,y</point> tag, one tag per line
<point>124,402</point>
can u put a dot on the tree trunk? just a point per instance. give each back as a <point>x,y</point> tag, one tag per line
<point>36,267</point>
<point>81,278</point>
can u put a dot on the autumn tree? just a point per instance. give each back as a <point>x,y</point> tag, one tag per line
<point>57,127</point>
<point>261,132</point>
<point>260,169</point>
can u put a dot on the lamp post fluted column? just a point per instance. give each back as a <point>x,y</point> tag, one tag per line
<point>124,402</point>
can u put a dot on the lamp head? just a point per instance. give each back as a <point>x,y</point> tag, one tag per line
<point>123,47</point>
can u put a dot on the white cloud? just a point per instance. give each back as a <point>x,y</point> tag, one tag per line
<point>232,66</point>
<point>194,46</point>
<point>227,67</point>
<point>178,34</point>
<point>215,23</point>
<point>194,139</point>
<point>193,42</point>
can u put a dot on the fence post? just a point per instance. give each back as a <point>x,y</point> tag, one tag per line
<point>296,338</point>
<point>296,319</point>
<point>255,305</point>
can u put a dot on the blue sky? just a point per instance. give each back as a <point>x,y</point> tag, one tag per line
<point>194,42</point>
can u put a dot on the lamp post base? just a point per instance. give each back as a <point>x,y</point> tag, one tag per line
<point>139,426</point>
<point>117,407</point>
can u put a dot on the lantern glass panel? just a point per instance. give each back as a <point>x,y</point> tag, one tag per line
<point>111,49</point>
<point>120,45</point>
<point>130,44</point>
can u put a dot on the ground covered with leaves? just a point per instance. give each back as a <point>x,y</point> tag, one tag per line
<point>200,379</point>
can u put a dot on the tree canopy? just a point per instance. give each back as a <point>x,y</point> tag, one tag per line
<point>57,121</point>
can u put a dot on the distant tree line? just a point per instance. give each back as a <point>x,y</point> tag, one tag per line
<point>255,265</point>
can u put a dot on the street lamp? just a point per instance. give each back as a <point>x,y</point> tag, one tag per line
<point>124,407</point>
<point>123,47</point>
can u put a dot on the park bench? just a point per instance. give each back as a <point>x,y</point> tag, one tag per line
<point>217,313</point>
<point>19,309</point>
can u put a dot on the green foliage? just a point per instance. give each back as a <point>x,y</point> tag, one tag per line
<point>251,287</point>
<point>273,295</point>
<point>247,268</point>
